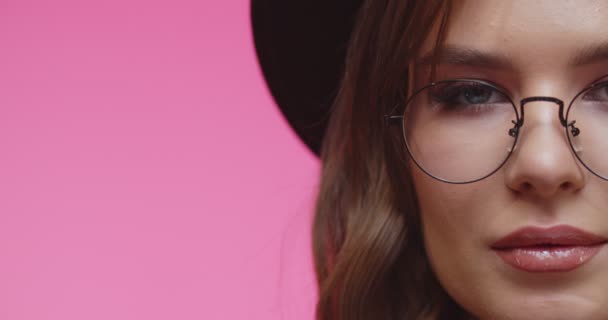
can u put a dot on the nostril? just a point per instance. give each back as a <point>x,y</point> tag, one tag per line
<point>566,185</point>
<point>526,187</point>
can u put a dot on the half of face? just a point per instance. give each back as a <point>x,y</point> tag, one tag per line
<point>528,241</point>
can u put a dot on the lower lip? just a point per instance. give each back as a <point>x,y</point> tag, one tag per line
<point>548,259</point>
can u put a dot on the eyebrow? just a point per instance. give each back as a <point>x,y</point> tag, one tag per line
<point>477,58</point>
<point>468,57</point>
<point>590,54</point>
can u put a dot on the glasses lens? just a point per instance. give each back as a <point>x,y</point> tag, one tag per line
<point>458,131</point>
<point>587,120</point>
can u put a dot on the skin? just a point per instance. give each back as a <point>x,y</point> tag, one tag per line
<point>542,184</point>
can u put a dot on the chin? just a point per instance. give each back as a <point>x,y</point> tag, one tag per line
<point>540,308</point>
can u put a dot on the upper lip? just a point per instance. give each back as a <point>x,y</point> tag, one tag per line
<point>562,235</point>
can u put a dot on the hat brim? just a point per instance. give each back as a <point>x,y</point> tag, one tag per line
<point>301,47</point>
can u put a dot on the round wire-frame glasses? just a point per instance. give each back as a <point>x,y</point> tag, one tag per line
<point>583,104</point>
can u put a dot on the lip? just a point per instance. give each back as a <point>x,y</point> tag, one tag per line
<point>557,249</point>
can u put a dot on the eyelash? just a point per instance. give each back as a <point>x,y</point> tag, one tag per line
<point>455,97</point>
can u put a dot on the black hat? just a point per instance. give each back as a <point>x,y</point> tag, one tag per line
<point>301,47</point>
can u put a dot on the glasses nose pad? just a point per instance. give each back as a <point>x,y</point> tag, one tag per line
<point>575,132</point>
<point>574,137</point>
<point>513,132</point>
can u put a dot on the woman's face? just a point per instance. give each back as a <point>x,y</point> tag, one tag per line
<point>553,268</point>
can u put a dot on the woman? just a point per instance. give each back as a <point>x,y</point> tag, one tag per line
<point>463,163</point>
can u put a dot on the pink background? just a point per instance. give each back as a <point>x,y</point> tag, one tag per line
<point>145,172</point>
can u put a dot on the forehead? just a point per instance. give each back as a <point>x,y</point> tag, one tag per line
<point>542,14</point>
<point>527,32</point>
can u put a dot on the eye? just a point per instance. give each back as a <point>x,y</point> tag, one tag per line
<point>477,94</point>
<point>466,95</point>
<point>598,93</point>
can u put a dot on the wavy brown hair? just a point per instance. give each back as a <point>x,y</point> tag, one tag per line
<point>369,255</point>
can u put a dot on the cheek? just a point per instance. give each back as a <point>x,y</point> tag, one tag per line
<point>458,213</point>
<point>455,220</point>
<point>448,223</point>
<point>450,214</point>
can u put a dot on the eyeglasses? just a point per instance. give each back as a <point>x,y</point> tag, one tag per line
<point>464,130</point>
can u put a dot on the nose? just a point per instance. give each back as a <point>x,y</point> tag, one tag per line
<point>542,163</point>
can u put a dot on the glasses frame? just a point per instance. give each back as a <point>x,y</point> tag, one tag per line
<point>393,119</point>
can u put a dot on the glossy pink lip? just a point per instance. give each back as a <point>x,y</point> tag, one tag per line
<point>556,249</point>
